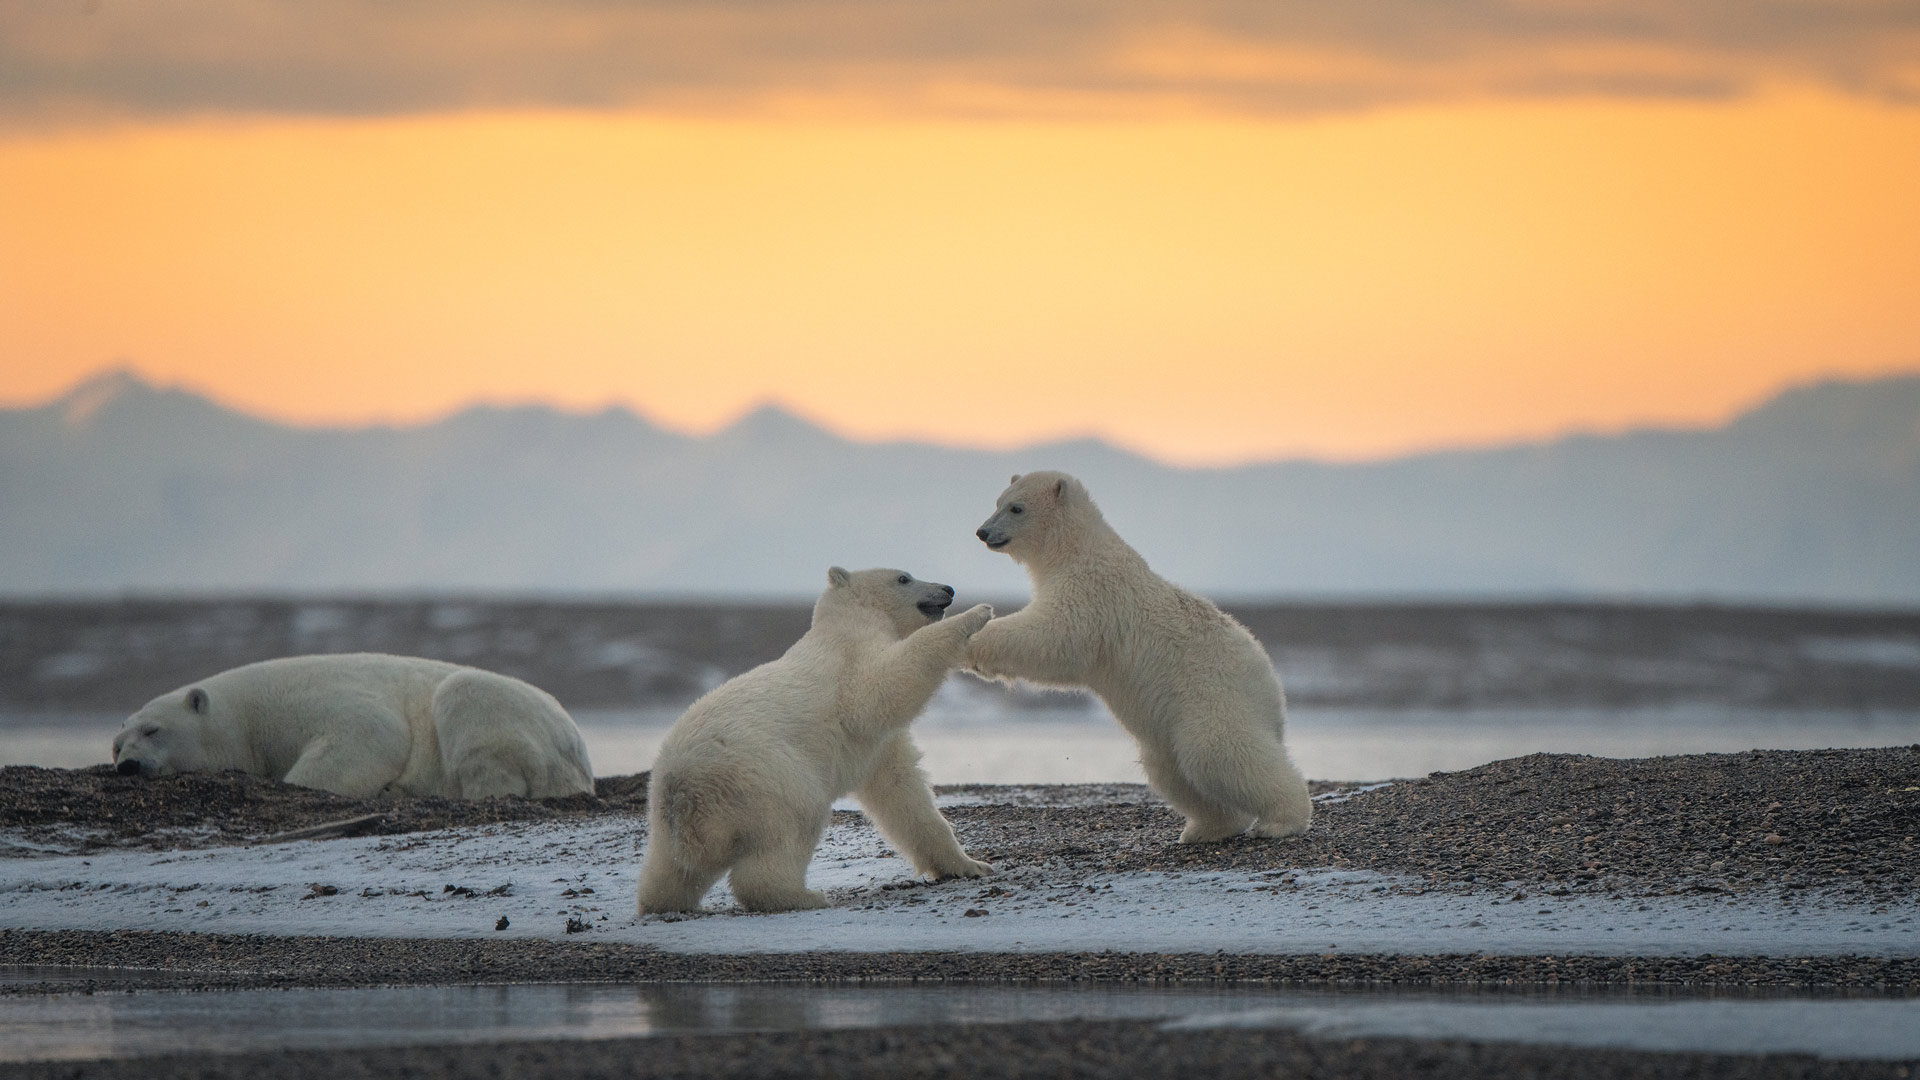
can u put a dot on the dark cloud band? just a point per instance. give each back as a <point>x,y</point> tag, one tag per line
<point>75,58</point>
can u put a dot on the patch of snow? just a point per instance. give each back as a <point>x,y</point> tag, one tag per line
<point>1343,794</point>
<point>457,882</point>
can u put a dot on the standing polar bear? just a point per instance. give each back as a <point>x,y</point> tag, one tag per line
<point>1190,684</point>
<point>746,778</point>
<point>364,724</point>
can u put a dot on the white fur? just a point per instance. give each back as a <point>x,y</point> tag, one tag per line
<point>746,778</point>
<point>1190,684</point>
<point>364,724</point>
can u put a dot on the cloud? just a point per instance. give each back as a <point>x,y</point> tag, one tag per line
<point>62,59</point>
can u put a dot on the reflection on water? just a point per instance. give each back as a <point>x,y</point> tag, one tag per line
<point>74,1026</point>
<point>968,739</point>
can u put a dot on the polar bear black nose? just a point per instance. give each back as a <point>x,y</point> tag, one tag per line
<point>948,589</point>
<point>128,767</point>
<point>981,533</point>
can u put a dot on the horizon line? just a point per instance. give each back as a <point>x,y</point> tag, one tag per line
<point>123,371</point>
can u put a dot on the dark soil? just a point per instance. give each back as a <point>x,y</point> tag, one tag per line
<point>129,959</point>
<point>203,809</point>
<point>1071,1050</point>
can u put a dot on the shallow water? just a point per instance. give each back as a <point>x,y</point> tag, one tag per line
<point>81,1026</point>
<point>969,738</point>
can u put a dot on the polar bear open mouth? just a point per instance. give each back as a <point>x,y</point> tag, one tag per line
<point>935,610</point>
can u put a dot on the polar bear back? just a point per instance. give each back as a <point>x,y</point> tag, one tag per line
<point>377,705</point>
<point>1172,645</point>
<point>768,730</point>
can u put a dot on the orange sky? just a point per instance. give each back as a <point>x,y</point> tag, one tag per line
<point>1201,286</point>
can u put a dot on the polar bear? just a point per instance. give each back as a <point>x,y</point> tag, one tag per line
<point>746,778</point>
<point>364,724</point>
<point>1190,684</point>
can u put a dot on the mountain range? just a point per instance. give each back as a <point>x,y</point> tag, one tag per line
<point>119,485</point>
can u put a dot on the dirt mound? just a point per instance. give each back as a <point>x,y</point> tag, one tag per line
<point>96,807</point>
<point>1763,819</point>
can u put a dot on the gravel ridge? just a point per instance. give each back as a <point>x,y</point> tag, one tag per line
<point>184,961</point>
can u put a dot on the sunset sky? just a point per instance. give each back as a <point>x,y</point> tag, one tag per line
<point>1210,232</point>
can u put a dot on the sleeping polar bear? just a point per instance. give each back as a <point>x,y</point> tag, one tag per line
<point>746,778</point>
<point>364,724</point>
<point>1190,684</point>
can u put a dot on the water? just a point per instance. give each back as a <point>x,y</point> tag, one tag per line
<point>83,1026</point>
<point>970,738</point>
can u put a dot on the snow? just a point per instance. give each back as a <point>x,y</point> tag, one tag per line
<point>539,875</point>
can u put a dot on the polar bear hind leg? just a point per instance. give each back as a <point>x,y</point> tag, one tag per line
<point>1286,808</point>
<point>498,737</point>
<point>675,875</point>
<point>897,798</point>
<point>771,873</point>
<point>1207,821</point>
<point>1246,771</point>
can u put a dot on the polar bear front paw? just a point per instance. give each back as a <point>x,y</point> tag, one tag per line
<point>966,868</point>
<point>974,618</point>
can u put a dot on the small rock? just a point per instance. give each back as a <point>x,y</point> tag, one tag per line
<point>501,923</point>
<point>974,912</point>
<point>1773,838</point>
<point>577,925</point>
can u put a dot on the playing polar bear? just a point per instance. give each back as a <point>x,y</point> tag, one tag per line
<point>746,778</point>
<point>1190,684</point>
<point>364,724</point>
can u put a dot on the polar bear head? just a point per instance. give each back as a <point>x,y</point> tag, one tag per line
<point>906,602</point>
<point>1039,516</point>
<point>170,734</point>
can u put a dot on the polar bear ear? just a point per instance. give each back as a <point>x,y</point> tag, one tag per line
<point>1015,480</point>
<point>837,578</point>
<point>1060,489</point>
<point>197,700</point>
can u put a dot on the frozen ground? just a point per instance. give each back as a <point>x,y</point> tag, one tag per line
<point>541,876</point>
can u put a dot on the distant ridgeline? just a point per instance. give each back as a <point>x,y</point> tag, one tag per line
<point>1813,497</point>
<point>112,655</point>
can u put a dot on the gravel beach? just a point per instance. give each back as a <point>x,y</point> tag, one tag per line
<point>1836,827</point>
<point>1840,820</point>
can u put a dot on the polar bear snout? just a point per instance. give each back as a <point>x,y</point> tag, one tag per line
<point>935,607</point>
<point>128,767</point>
<point>993,538</point>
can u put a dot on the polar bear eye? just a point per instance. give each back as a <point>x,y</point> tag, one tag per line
<point>1016,508</point>
<point>905,579</point>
